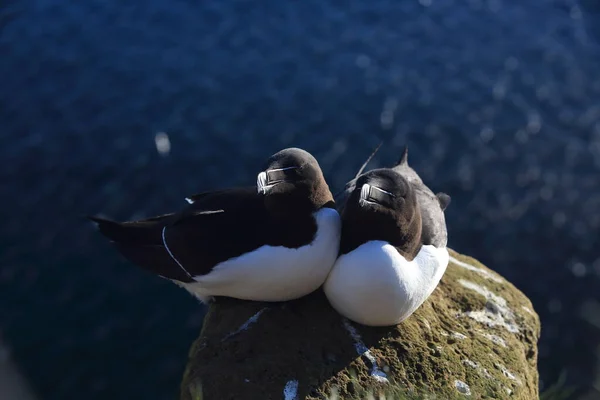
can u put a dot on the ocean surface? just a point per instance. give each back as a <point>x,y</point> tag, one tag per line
<point>123,110</point>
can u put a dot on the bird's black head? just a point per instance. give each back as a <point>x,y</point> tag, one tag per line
<point>292,181</point>
<point>383,206</point>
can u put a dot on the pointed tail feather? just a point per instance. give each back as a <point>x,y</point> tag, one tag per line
<point>141,243</point>
<point>338,196</point>
<point>403,160</point>
<point>362,168</point>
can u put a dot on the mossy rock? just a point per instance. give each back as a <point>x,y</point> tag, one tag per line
<point>475,337</point>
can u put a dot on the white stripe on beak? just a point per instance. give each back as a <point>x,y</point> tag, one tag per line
<point>261,183</point>
<point>365,191</point>
<point>262,180</point>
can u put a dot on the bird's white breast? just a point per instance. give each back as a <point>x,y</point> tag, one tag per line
<point>275,273</point>
<point>375,285</point>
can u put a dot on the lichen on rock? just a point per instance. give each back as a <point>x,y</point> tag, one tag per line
<point>475,337</point>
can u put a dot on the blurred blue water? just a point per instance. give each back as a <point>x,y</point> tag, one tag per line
<point>498,101</point>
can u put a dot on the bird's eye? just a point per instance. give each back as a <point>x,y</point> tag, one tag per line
<point>292,172</point>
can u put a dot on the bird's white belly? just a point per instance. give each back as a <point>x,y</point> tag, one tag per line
<point>374,285</point>
<point>275,273</point>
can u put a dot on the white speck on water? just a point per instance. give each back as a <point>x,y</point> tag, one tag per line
<point>245,325</point>
<point>480,271</point>
<point>496,312</point>
<point>425,3</point>
<point>575,12</point>
<point>387,115</point>
<point>386,119</point>
<point>486,135</point>
<point>462,387</point>
<point>363,61</point>
<point>494,5</point>
<point>579,269</point>
<point>163,144</point>
<point>290,391</point>
<point>362,350</point>
<point>339,147</point>
<point>499,91</point>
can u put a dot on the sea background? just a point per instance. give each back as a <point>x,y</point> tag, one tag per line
<point>123,109</point>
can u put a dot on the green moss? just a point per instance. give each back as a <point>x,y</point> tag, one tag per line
<point>423,357</point>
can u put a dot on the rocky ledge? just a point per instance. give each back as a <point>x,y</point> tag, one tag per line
<point>475,337</point>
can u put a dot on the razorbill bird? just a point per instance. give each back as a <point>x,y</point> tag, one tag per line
<point>434,229</point>
<point>393,246</point>
<point>275,241</point>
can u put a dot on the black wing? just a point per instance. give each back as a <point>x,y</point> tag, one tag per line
<point>215,227</point>
<point>141,243</point>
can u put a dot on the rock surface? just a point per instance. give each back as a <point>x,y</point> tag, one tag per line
<point>475,337</point>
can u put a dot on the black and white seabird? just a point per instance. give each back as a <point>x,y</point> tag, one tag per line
<point>393,247</point>
<point>275,241</point>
